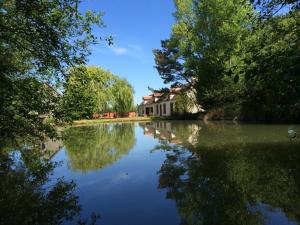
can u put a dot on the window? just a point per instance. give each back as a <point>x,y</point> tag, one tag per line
<point>172,108</point>
<point>157,110</point>
<point>165,109</point>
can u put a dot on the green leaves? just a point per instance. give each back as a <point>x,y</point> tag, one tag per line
<point>24,103</point>
<point>93,90</point>
<point>236,78</point>
<point>236,56</point>
<point>51,35</point>
<point>204,45</point>
<point>272,67</point>
<point>39,41</point>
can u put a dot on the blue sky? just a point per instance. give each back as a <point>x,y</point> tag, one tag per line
<point>137,26</point>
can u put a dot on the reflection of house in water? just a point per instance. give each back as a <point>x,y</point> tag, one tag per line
<point>193,137</point>
<point>172,132</point>
<point>159,130</point>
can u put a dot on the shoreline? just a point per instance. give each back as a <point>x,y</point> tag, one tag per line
<point>114,120</point>
<point>149,119</point>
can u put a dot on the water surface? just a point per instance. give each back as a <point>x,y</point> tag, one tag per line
<point>184,173</point>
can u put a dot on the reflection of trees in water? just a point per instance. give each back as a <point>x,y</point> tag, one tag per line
<point>28,197</point>
<point>191,134</point>
<point>227,183</point>
<point>94,147</point>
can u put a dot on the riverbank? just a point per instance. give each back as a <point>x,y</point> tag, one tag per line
<point>188,118</point>
<point>115,120</point>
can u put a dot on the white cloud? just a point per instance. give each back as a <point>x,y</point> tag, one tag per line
<point>119,50</point>
<point>135,47</point>
<point>131,50</point>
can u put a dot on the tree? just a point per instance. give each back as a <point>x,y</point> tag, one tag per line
<point>38,37</point>
<point>40,40</point>
<point>204,45</point>
<point>184,104</point>
<point>269,8</point>
<point>24,102</point>
<point>241,61</point>
<point>91,90</point>
<point>122,94</point>
<point>271,69</point>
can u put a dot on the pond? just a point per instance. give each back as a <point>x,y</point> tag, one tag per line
<point>184,173</point>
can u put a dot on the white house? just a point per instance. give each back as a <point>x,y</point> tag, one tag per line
<point>163,103</point>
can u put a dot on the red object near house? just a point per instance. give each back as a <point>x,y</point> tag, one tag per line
<point>113,115</point>
<point>131,114</point>
<point>109,115</point>
<point>96,116</point>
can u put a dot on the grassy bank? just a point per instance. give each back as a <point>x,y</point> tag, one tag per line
<point>115,120</point>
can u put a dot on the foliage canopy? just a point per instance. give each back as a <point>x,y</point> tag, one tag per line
<point>91,90</point>
<point>242,57</point>
<point>39,40</point>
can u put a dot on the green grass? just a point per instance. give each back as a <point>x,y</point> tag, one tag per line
<point>115,120</point>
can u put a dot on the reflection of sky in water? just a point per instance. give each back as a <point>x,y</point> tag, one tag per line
<point>126,191</point>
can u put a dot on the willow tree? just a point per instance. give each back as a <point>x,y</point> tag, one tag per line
<point>91,90</point>
<point>122,94</point>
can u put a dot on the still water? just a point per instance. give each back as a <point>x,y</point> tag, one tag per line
<point>184,173</point>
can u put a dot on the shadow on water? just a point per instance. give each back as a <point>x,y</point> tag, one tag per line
<point>95,147</point>
<point>28,195</point>
<point>229,174</point>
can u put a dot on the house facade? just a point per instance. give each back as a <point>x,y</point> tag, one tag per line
<point>162,104</point>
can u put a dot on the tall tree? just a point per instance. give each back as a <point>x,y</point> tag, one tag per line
<point>242,58</point>
<point>122,95</point>
<point>39,39</point>
<point>203,45</point>
<point>91,90</point>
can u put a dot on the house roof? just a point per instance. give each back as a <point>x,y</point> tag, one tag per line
<point>156,97</point>
<point>158,94</point>
<point>147,97</point>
